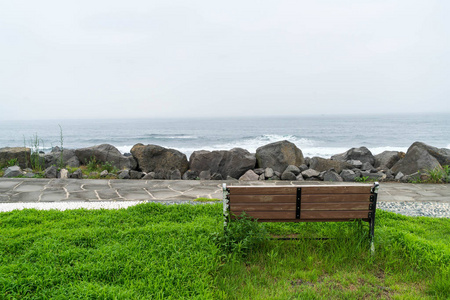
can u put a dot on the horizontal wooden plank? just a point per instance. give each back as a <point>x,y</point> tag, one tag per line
<point>337,189</point>
<point>263,198</point>
<point>262,190</point>
<point>311,220</point>
<point>335,206</point>
<point>262,206</point>
<point>335,198</point>
<point>279,215</point>
<point>305,215</point>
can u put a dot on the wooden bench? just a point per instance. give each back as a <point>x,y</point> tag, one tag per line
<point>303,203</point>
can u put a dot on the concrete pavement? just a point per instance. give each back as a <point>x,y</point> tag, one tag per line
<point>31,190</point>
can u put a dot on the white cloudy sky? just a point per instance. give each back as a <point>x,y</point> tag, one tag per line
<point>143,58</point>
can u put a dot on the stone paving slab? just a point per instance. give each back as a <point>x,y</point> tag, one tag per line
<point>22,190</point>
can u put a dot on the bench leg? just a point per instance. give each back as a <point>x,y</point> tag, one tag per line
<point>226,207</point>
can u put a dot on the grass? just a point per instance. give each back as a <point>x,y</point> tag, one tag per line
<point>202,199</point>
<point>153,251</point>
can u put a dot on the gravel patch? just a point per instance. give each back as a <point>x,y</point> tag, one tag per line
<point>417,209</point>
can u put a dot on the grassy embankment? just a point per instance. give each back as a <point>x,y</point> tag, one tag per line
<point>167,252</point>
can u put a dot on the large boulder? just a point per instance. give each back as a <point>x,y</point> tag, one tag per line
<point>279,156</point>
<point>323,164</point>
<point>22,154</point>
<point>69,158</point>
<point>388,159</point>
<point>233,163</point>
<point>13,171</point>
<point>362,154</point>
<point>417,158</point>
<point>442,155</point>
<point>154,158</point>
<point>105,153</point>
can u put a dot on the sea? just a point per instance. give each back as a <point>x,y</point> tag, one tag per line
<point>315,135</point>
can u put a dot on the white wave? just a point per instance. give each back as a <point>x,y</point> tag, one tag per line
<point>124,149</point>
<point>172,137</point>
<point>448,146</point>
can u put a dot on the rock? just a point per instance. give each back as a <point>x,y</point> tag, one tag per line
<point>64,174</point>
<point>293,169</point>
<point>367,167</point>
<point>78,174</point>
<point>415,177</point>
<point>373,176</point>
<point>399,176</point>
<point>362,154</point>
<point>268,172</point>
<point>205,175</point>
<point>13,171</point>
<point>275,177</point>
<point>310,173</point>
<point>355,163</point>
<point>149,176</point>
<point>153,158</point>
<point>104,173</point>
<point>442,155</point>
<point>216,176</point>
<point>51,172</point>
<point>69,159</point>
<point>22,154</point>
<point>322,173</point>
<point>105,153</point>
<point>303,167</point>
<point>416,159</point>
<point>279,156</point>
<point>332,176</point>
<point>307,161</point>
<point>190,175</point>
<point>287,175</point>
<point>322,164</point>
<point>125,174</point>
<point>55,149</point>
<point>136,174</point>
<point>299,178</point>
<point>29,175</point>
<point>234,162</point>
<point>262,177</point>
<point>175,175</point>
<point>388,159</point>
<point>231,178</point>
<point>249,176</point>
<point>348,175</point>
<point>259,171</point>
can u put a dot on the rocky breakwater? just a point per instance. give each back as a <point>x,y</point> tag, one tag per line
<point>281,160</point>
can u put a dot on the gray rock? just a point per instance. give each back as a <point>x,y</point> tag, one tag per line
<point>262,177</point>
<point>249,176</point>
<point>234,162</point>
<point>293,169</point>
<point>149,176</point>
<point>387,159</point>
<point>29,175</point>
<point>175,175</point>
<point>362,154</point>
<point>303,167</point>
<point>355,163</point>
<point>287,175</point>
<point>373,176</point>
<point>279,156</point>
<point>205,175</point>
<point>259,171</point>
<point>268,172</point>
<point>399,176</point>
<point>22,154</point>
<point>136,174</point>
<point>13,171</point>
<point>322,174</point>
<point>124,174</point>
<point>64,174</point>
<point>332,176</point>
<point>105,153</point>
<point>51,172</point>
<point>55,149</point>
<point>78,174</point>
<point>216,176</point>
<point>411,178</point>
<point>69,159</point>
<point>310,173</point>
<point>275,177</point>
<point>190,175</point>
<point>153,158</point>
<point>322,164</point>
<point>367,167</point>
<point>348,175</point>
<point>307,161</point>
<point>276,173</point>
<point>442,155</point>
<point>229,178</point>
<point>104,173</point>
<point>299,178</point>
<point>417,158</point>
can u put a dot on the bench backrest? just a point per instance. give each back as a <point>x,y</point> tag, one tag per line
<point>305,203</point>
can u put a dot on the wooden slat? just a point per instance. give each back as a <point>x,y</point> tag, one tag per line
<point>263,198</point>
<point>305,215</point>
<point>262,206</point>
<point>279,215</point>
<point>262,190</point>
<point>311,220</point>
<point>357,189</point>
<point>335,198</point>
<point>336,206</point>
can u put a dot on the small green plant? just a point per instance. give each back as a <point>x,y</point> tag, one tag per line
<point>36,145</point>
<point>446,169</point>
<point>436,175</point>
<point>12,162</point>
<point>241,236</point>
<point>92,164</point>
<point>362,179</point>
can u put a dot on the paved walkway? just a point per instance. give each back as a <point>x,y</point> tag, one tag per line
<point>25,190</point>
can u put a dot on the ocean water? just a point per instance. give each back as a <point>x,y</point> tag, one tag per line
<point>321,136</point>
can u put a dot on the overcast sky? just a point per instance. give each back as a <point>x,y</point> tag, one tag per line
<point>143,58</point>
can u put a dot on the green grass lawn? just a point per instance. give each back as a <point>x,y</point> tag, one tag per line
<point>152,251</point>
